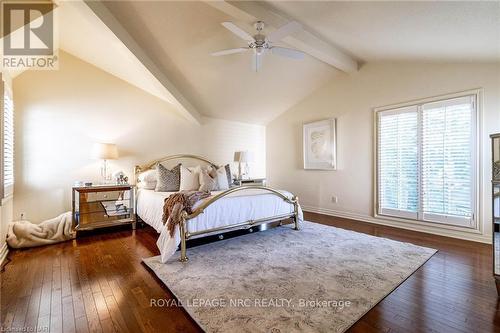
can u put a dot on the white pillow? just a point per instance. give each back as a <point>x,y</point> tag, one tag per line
<point>147,180</point>
<point>148,176</point>
<point>147,185</point>
<point>189,180</point>
<point>207,183</point>
<point>221,179</point>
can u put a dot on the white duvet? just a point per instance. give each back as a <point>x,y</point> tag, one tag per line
<point>235,208</point>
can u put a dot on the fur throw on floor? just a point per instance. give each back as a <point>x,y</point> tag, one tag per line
<point>26,234</point>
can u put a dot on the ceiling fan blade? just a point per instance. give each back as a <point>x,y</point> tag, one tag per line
<point>288,29</point>
<point>289,53</point>
<point>257,61</point>
<point>238,31</point>
<point>230,51</point>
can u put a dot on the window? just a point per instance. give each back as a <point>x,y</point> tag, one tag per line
<point>426,161</point>
<point>8,143</point>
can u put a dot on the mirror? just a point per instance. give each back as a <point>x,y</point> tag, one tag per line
<point>496,158</point>
<point>496,224</point>
<point>495,145</point>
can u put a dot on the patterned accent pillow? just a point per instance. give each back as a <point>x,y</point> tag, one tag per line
<point>168,180</point>
<point>228,174</point>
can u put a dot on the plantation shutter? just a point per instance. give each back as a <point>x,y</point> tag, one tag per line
<point>397,162</point>
<point>8,143</point>
<point>447,160</point>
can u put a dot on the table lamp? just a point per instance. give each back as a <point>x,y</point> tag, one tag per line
<point>105,152</point>
<point>242,157</point>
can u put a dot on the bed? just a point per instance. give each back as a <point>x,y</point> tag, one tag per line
<point>236,208</point>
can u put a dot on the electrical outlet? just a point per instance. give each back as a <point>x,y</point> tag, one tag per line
<point>23,215</point>
<point>334,199</point>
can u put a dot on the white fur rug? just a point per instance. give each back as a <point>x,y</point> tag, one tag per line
<point>26,234</point>
<point>318,279</point>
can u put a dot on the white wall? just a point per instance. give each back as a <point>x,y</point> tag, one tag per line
<point>351,99</point>
<point>60,114</point>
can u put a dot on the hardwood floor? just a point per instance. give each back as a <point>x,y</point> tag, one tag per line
<point>98,283</point>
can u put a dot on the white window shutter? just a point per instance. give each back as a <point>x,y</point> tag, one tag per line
<point>397,162</point>
<point>8,159</point>
<point>447,161</point>
<point>426,161</point>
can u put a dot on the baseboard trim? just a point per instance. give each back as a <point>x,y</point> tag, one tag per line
<point>3,253</point>
<point>370,219</point>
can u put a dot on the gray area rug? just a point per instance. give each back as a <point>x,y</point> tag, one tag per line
<point>318,279</point>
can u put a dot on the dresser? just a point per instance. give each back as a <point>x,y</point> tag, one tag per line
<point>495,195</point>
<point>252,181</point>
<point>103,206</point>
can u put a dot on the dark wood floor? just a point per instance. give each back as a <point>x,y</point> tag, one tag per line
<point>98,283</point>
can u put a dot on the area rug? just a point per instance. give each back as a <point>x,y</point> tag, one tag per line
<point>317,279</point>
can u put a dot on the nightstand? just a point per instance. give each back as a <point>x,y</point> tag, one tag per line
<point>102,206</point>
<point>253,181</point>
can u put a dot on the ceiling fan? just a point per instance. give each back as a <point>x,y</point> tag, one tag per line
<point>262,44</point>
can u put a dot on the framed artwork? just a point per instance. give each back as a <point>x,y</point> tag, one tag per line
<point>320,145</point>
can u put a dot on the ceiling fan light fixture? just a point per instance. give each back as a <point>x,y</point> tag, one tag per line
<point>260,43</point>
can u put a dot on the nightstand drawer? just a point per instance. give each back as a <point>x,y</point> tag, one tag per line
<point>107,195</point>
<point>250,182</point>
<point>99,217</point>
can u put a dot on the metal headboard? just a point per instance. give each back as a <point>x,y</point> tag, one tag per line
<point>141,168</point>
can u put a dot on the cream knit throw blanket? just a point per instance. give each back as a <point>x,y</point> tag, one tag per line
<point>26,234</point>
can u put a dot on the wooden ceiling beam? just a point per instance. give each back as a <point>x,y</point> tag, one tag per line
<point>248,11</point>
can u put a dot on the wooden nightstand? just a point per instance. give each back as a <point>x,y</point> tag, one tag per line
<point>254,181</point>
<point>103,206</point>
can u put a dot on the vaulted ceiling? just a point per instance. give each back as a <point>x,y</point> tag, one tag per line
<point>179,37</point>
<point>164,47</point>
<point>404,30</point>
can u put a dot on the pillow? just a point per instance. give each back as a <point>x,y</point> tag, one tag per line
<point>207,183</point>
<point>228,173</point>
<point>167,180</point>
<point>221,179</point>
<point>189,179</point>
<point>148,176</point>
<point>147,180</point>
<point>147,185</point>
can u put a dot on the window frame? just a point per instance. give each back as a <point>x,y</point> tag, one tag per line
<point>474,225</point>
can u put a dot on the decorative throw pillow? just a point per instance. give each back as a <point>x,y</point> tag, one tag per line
<point>207,183</point>
<point>168,180</point>
<point>228,174</point>
<point>189,179</point>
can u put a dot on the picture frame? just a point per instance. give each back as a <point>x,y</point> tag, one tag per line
<point>320,145</point>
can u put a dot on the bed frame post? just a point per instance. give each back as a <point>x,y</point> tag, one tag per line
<point>182,228</point>
<point>296,212</point>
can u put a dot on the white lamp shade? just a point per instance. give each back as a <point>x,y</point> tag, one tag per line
<point>243,156</point>
<point>105,151</point>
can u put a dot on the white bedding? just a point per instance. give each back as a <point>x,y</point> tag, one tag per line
<point>235,208</point>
